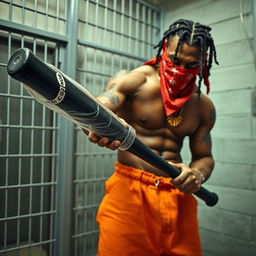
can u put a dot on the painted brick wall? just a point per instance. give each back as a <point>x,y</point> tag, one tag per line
<point>230,227</point>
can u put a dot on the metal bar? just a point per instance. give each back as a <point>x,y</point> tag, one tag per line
<point>10,10</point>
<point>29,9</point>
<point>142,50</point>
<point>105,17</point>
<point>66,13</point>
<point>84,234</point>
<point>125,15</point>
<point>27,155</point>
<point>7,146</point>
<point>114,51</point>
<point>148,5</point>
<point>29,185</point>
<point>86,17</point>
<point>96,21</point>
<point>30,31</point>
<point>94,66</point>
<point>57,25</point>
<point>130,31</point>
<point>104,36</point>
<point>25,216</point>
<point>85,229</point>
<point>19,159</point>
<point>31,162</point>
<point>119,12</point>
<point>26,246</point>
<point>88,180</point>
<point>65,160</point>
<point>120,34</point>
<point>76,217</point>
<point>27,126</point>
<point>122,26</point>
<point>254,30</point>
<point>15,96</point>
<point>53,167</point>
<point>114,26</point>
<point>23,12</point>
<point>137,28</point>
<point>46,14</point>
<point>91,153</point>
<point>43,158</point>
<point>85,194</point>
<point>160,21</point>
<point>148,49</point>
<point>35,11</point>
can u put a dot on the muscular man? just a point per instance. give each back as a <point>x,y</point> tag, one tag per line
<point>145,212</point>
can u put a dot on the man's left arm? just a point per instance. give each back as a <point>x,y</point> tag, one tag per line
<point>201,143</point>
<point>201,166</point>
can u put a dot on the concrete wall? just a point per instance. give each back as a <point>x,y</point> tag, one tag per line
<point>230,227</point>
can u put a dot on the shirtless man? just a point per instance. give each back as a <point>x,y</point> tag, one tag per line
<point>145,212</point>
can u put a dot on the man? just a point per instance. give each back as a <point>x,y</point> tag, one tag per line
<point>145,212</point>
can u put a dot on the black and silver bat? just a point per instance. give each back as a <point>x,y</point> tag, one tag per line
<point>62,94</point>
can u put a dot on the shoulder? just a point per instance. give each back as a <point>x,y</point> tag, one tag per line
<point>128,82</point>
<point>146,70</point>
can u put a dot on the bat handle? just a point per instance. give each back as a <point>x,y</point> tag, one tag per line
<point>141,150</point>
<point>210,198</point>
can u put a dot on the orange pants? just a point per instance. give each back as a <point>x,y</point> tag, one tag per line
<point>145,215</point>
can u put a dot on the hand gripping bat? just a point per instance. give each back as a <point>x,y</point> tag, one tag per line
<point>54,89</point>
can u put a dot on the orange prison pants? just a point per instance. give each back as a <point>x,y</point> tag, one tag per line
<point>145,215</point>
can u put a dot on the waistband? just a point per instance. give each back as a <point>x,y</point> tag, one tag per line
<point>143,176</point>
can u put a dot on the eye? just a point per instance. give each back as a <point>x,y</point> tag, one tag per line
<point>174,60</point>
<point>192,65</point>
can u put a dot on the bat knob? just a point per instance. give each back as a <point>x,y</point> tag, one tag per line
<point>18,61</point>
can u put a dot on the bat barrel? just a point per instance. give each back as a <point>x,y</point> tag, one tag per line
<point>64,95</point>
<point>29,69</point>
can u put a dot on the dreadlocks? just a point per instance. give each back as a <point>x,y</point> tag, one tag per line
<point>194,34</point>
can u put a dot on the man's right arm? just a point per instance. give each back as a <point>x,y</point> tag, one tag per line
<point>118,89</point>
<point>114,96</point>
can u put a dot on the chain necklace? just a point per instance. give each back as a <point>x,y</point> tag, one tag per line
<point>175,121</point>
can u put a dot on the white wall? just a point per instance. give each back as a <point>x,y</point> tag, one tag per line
<point>230,227</point>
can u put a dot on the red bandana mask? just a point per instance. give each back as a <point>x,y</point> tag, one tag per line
<point>177,84</point>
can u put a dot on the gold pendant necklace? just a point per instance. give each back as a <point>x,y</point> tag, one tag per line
<point>175,120</point>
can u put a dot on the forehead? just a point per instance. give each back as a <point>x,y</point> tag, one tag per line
<point>184,49</point>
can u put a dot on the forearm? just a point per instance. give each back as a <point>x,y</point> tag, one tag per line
<point>205,165</point>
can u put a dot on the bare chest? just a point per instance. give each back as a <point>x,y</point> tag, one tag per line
<point>145,111</point>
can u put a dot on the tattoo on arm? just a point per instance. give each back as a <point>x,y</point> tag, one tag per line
<point>111,96</point>
<point>207,139</point>
<point>212,115</point>
<point>110,87</point>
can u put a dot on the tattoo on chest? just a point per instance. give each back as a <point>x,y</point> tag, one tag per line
<point>111,96</point>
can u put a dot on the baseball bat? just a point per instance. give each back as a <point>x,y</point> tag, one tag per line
<point>57,91</point>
